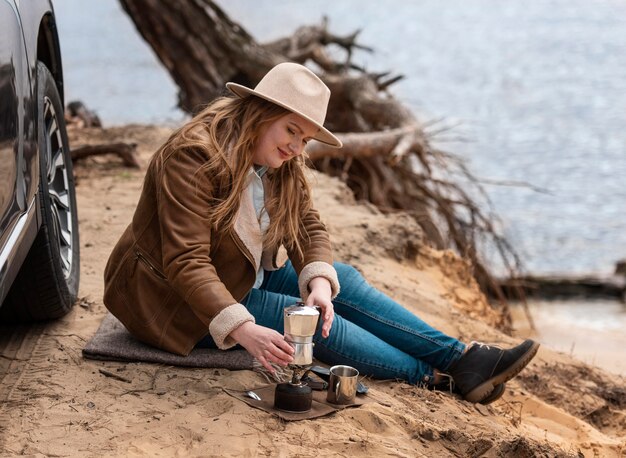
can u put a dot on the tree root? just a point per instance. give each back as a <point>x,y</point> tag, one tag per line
<point>387,158</point>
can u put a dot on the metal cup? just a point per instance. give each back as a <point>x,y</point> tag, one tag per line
<point>342,385</point>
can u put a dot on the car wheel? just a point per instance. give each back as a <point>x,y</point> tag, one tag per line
<point>47,284</point>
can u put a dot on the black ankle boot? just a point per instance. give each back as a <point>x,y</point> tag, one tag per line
<point>448,386</point>
<point>482,367</point>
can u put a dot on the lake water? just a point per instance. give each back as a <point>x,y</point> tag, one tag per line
<point>537,90</point>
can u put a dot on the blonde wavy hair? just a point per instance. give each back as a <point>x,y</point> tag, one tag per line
<point>228,130</point>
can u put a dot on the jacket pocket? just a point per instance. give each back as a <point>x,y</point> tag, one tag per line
<point>143,294</point>
<point>143,259</point>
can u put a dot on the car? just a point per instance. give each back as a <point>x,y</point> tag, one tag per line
<point>39,244</point>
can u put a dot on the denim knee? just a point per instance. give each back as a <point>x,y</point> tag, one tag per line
<point>348,274</point>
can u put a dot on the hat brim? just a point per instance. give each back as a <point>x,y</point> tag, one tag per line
<point>323,135</point>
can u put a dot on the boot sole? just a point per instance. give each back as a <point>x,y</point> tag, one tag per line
<point>496,394</point>
<point>483,390</point>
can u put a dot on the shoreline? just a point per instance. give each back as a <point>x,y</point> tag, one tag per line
<point>589,330</point>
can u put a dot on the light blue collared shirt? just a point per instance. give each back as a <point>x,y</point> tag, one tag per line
<point>258,199</point>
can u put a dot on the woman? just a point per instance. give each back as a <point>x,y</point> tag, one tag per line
<point>202,264</point>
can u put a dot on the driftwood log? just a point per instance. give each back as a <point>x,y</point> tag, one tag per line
<point>126,151</point>
<point>568,287</point>
<point>556,287</point>
<point>387,158</point>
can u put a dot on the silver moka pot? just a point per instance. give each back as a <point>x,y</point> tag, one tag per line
<point>300,325</point>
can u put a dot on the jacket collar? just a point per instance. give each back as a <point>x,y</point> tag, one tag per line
<point>247,226</point>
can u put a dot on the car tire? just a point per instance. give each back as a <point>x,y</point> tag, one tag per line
<point>46,286</point>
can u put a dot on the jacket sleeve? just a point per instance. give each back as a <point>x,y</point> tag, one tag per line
<point>183,204</point>
<point>317,259</point>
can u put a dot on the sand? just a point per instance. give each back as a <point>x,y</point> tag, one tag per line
<point>55,403</point>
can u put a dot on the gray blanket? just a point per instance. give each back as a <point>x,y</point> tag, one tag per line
<point>112,342</point>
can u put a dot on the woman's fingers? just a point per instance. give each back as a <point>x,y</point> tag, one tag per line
<point>273,355</point>
<point>328,323</point>
<point>328,313</point>
<point>282,344</point>
<point>266,345</point>
<point>278,356</point>
<point>277,350</point>
<point>321,294</point>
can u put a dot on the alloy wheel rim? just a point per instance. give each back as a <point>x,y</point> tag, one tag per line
<point>58,187</point>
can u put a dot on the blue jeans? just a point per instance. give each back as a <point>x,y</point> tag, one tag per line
<point>370,331</point>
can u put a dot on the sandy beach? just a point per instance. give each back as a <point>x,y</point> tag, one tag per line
<point>55,403</point>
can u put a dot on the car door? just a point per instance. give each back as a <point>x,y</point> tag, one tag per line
<point>14,89</point>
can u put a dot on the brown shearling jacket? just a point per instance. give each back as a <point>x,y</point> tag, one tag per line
<point>171,279</point>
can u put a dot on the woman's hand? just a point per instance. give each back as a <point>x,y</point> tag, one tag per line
<point>321,293</point>
<point>265,344</point>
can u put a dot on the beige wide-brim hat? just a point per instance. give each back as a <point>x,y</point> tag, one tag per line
<point>299,90</point>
